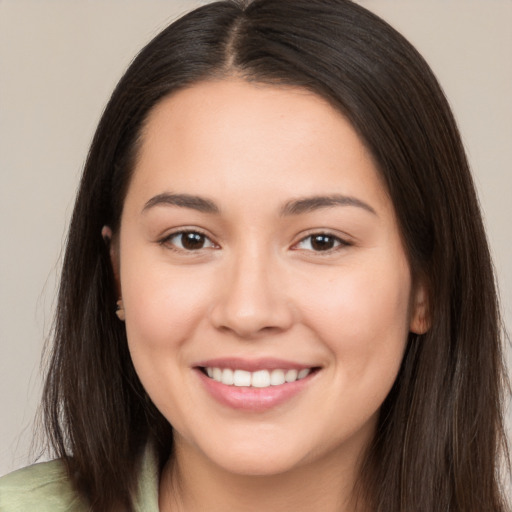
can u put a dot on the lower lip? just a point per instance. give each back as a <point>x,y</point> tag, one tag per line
<point>253,399</point>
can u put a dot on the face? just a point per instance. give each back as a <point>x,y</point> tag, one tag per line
<point>267,294</point>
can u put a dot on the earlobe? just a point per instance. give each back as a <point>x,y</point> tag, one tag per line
<point>420,313</point>
<point>106,234</point>
<point>120,310</point>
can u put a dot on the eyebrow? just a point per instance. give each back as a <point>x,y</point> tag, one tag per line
<point>294,207</point>
<point>309,204</point>
<point>184,201</point>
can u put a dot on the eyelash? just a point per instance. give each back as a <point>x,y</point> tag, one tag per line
<point>338,242</point>
<point>167,241</point>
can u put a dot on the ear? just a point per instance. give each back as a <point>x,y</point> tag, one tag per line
<point>106,234</point>
<point>420,311</point>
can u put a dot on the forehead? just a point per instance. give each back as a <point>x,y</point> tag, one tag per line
<point>236,137</point>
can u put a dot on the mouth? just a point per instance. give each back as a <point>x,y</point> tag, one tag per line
<point>254,386</point>
<point>257,379</point>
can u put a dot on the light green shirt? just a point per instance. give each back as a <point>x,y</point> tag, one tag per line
<point>45,487</point>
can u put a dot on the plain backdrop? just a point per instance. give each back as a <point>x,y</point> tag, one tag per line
<point>59,61</point>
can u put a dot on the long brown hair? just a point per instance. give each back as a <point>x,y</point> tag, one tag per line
<point>441,427</point>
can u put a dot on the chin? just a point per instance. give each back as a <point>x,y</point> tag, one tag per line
<point>258,464</point>
<point>254,457</point>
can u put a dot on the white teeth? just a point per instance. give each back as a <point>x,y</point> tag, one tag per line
<point>227,377</point>
<point>258,379</point>
<point>303,373</point>
<point>217,374</point>
<point>241,378</point>
<point>291,375</point>
<point>277,378</point>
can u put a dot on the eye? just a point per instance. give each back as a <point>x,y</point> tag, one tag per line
<point>320,242</point>
<point>188,241</point>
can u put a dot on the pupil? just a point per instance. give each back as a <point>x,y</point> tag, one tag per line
<point>192,241</point>
<point>322,242</point>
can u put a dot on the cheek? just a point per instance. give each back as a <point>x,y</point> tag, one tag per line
<point>362,315</point>
<point>362,318</point>
<point>162,306</point>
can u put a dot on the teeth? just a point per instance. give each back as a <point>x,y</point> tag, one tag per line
<point>277,378</point>
<point>258,379</point>
<point>291,375</point>
<point>227,377</point>
<point>241,378</point>
<point>303,373</point>
<point>217,374</point>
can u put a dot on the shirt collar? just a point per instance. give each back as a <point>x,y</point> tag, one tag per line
<point>146,496</point>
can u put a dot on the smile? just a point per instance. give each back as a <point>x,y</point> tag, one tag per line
<point>257,379</point>
<point>257,385</point>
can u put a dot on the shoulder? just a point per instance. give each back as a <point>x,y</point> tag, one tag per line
<point>43,487</point>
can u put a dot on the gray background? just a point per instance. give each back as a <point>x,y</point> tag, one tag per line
<point>59,61</point>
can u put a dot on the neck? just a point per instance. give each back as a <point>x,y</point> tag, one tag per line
<point>193,483</point>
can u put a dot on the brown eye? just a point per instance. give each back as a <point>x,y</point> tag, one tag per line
<point>321,242</point>
<point>189,241</point>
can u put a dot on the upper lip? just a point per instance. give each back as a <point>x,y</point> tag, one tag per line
<point>252,365</point>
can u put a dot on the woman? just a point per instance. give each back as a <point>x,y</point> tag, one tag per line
<point>277,292</point>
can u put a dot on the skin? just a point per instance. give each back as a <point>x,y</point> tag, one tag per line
<point>258,287</point>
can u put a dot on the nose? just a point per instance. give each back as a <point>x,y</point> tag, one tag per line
<point>252,299</point>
